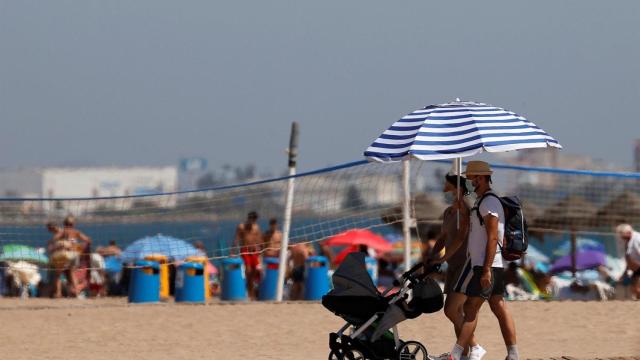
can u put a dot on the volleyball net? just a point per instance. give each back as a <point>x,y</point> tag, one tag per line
<point>326,202</point>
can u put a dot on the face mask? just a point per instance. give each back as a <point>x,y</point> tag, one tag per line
<point>449,197</point>
<point>475,183</point>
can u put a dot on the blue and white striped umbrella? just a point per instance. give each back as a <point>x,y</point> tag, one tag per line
<point>457,129</point>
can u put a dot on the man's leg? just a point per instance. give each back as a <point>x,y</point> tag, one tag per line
<point>251,290</point>
<point>507,325</point>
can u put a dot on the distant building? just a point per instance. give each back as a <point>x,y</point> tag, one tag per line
<point>327,193</point>
<point>554,159</point>
<point>88,182</point>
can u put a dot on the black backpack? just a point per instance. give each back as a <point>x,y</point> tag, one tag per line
<point>516,240</point>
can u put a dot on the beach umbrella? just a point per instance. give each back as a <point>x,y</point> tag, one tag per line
<point>584,260</point>
<point>343,254</point>
<point>534,255</point>
<point>455,130</point>
<point>17,252</point>
<point>171,247</point>
<point>393,238</point>
<point>582,244</point>
<point>357,237</point>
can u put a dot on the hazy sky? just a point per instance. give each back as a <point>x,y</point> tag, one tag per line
<point>149,81</point>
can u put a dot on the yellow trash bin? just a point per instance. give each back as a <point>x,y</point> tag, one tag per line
<point>202,260</point>
<point>164,273</point>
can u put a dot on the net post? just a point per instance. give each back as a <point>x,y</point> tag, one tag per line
<point>282,264</point>
<point>406,212</point>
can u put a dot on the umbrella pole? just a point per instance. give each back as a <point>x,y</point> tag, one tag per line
<point>458,195</point>
<point>406,213</point>
<point>286,226</point>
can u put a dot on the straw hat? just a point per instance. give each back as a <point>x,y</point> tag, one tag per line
<point>477,168</point>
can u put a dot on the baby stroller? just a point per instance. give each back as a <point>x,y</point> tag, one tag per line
<point>372,317</point>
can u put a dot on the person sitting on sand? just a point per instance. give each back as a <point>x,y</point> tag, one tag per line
<point>247,240</point>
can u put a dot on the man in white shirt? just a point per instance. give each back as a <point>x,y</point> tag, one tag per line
<point>482,278</point>
<point>632,255</point>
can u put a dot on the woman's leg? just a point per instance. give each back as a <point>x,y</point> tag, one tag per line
<point>453,309</point>
<point>57,284</point>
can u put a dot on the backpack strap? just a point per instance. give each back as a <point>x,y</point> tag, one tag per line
<point>477,207</point>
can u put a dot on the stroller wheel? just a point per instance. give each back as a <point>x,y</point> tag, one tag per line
<point>348,355</point>
<point>412,350</point>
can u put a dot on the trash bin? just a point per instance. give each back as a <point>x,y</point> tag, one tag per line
<point>269,284</point>
<point>163,261</point>
<point>189,283</point>
<point>145,282</point>
<point>204,261</point>
<point>372,268</point>
<point>234,286</point>
<point>316,279</point>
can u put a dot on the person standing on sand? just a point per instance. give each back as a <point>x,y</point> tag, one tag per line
<point>482,278</point>
<point>272,240</point>
<point>299,255</point>
<point>82,245</point>
<point>247,240</point>
<point>453,238</point>
<point>632,255</point>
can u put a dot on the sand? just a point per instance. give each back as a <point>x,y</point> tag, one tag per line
<point>112,329</point>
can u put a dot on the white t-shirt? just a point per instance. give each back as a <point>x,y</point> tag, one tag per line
<point>633,246</point>
<point>478,235</point>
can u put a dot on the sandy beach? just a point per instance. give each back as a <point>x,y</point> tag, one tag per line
<point>112,329</point>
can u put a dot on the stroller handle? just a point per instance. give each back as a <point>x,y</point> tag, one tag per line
<point>421,265</point>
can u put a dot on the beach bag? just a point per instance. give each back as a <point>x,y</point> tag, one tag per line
<point>516,239</point>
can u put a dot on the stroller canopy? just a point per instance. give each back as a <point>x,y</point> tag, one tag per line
<point>354,296</point>
<point>352,278</point>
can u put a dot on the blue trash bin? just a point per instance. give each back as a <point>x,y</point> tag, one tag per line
<point>268,286</point>
<point>316,279</point>
<point>145,282</point>
<point>372,268</point>
<point>190,283</point>
<point>233,280</point>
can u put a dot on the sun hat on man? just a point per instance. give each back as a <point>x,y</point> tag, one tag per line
<point>477,168</point>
